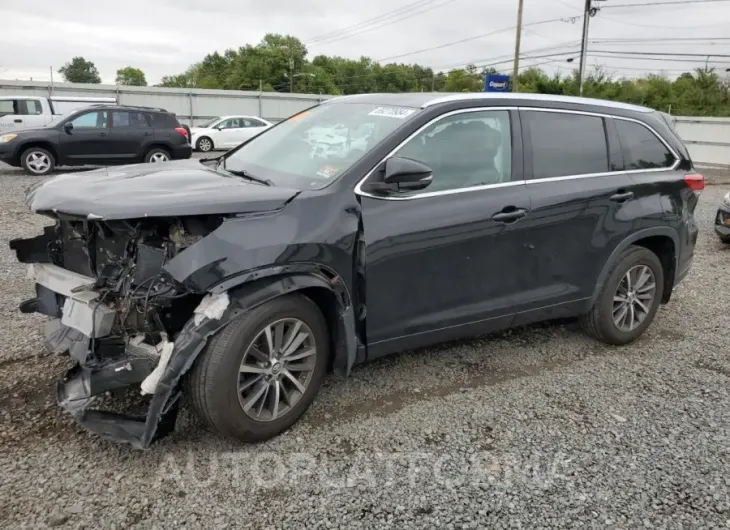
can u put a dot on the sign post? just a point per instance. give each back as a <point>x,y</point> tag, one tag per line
<point>496,83</point>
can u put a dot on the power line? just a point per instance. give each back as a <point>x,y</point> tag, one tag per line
<point>653,26</point>
<point>663,53</point>
<point>367,22</point>
<point>446,45</point>
<point>409,14</point>
<point>651,4</point>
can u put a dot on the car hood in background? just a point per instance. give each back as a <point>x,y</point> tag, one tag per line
<point>169,189</point>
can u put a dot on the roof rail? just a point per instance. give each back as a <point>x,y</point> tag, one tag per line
<point>160,109</point>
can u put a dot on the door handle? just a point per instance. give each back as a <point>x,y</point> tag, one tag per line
<point>18,121</point>
<point>103,134</point>
<point>622,196</point>
<point>510,216</point>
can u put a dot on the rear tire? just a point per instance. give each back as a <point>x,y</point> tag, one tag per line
<point>228,376</point>
<point>604,321</point>
<point>157,155</point>
<point>204,144</point>
<point>38,161</point>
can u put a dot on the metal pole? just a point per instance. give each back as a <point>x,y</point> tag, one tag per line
<point>51,68</point>
<point>291,74</point>
<point>584,46</point>
<point>516,69</point>
<point>190,103</point>
<point>261,96</point>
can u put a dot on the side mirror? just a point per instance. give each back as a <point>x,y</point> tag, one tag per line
<point>402,174</point>
<point>68,127</point>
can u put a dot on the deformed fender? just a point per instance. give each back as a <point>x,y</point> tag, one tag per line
<point>633,238</point>
<point>254,293</point>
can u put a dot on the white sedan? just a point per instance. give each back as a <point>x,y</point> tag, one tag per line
<point>226,132</point>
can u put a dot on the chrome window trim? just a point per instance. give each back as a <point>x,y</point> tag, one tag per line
<point>494,96</point>
<point>358,187</point>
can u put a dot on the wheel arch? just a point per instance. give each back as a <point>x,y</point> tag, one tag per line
<point>43,144</point>
<point>328,293</point>
<point>662,241</point>
<point>157,145</point>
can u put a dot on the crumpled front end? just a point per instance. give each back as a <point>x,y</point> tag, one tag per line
<point>123,319</point>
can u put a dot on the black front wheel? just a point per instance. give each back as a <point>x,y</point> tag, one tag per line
<point>629,298</point>
<point>259,374</point>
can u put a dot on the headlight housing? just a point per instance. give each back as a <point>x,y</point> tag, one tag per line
<point>4,138</point>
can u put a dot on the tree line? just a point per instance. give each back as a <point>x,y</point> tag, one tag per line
<point>280,63</point>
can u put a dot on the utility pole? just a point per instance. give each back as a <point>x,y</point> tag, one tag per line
<point>589,11</point>
<point>518,38</point>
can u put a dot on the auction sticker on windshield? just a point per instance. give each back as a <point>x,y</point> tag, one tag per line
<point>392,112</point>
<point>328,171</point>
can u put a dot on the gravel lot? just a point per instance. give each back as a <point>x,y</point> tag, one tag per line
<point>536,428</point>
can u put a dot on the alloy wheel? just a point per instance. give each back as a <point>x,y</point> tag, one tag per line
<point>159,157</point>
<point>204,144</point>
<point>276,369</point>
<point>38,162</point>
<point>634,298</point>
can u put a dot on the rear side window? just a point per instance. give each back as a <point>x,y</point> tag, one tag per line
<point>123,119</point>
<point>33,107</point>
<point>641,147</point>
<point>566,144</point>
<point>162,121</point>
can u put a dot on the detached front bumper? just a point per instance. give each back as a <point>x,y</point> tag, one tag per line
<point>81,327</point>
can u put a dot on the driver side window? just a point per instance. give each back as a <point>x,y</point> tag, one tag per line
<point>464,150</point>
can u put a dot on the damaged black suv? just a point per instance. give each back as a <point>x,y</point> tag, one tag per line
<point>358,228</point>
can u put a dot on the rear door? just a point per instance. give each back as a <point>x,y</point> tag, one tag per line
<point>89,140</point>
<point>231,133</point>
<point>583,206</point>
<point>448,261</point>
<point>131,132</point>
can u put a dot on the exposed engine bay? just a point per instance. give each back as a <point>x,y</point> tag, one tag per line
<point>114,308</point>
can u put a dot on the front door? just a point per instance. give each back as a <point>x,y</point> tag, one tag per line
<point>447,261</point>
<point>88,141</point>
<point>583,206</point>
<point>231,133</point>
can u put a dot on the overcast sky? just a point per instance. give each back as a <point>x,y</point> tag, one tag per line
<point>166,36</point>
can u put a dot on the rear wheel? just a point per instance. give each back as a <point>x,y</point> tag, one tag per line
<point>204,144</point>
<point>37,161</point>
<point>260,373</point>
<point>629,299</point>
<point>157,155</point>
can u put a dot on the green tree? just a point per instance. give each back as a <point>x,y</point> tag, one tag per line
<point>79,70</point>
<point>131,76</point>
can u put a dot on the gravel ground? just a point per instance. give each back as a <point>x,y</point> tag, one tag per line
<point>537,428</point>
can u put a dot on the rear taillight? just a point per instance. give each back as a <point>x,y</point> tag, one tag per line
<point>182,131</point>
<point>695,181</point>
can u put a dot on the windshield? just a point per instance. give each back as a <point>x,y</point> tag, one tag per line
<point>209,123</point>
<point>313,148</point>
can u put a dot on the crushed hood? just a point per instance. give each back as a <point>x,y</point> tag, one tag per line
<point>170,189</point>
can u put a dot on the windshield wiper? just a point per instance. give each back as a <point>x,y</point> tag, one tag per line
<point>244,174</point>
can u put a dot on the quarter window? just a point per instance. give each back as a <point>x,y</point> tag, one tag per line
<point>91,120</point>
<point>641,148</point>
<point>464,150</point>
<point>566,144</point>
<point>129,119</point>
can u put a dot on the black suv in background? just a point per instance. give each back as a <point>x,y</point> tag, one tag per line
<point>98,135</point>
<point>239,281</point>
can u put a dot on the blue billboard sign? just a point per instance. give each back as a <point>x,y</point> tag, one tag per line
<point>496,83</point>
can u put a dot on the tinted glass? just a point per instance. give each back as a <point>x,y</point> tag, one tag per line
<point>641,148</point>
<point>134,120</point>
<point>566,144</point>
<point>464,150</point>
<point>91,120</point>
<point>311,149</point>
<point>161,121</point>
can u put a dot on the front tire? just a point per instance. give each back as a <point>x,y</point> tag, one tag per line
<point>204,144</point>
<point>156,155</point>
<point>629,298</point>
<point>260,373</point>
<point>37,161</point>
